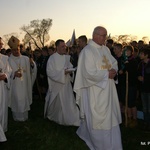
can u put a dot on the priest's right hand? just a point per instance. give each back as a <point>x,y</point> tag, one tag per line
<point>67,72</point>
<point>18,74</point>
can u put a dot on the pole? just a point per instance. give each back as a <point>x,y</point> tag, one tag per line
<point>126,101</point>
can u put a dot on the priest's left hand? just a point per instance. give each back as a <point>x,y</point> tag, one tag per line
<point>3,76</point>
<point>31,60</point>
<point>112,73</point>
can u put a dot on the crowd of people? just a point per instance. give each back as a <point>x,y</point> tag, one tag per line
<point>95,85</point>
<point>133,81</point>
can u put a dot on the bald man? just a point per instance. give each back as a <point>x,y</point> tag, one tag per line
<point>96,95</point>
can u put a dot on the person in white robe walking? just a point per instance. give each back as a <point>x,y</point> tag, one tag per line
<point>5,72</point>
<point>60,103</point>
<point>2,135</point>
<point>21,82</point>
<point>96,95</point>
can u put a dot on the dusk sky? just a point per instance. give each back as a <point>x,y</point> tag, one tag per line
<point>120,17</point>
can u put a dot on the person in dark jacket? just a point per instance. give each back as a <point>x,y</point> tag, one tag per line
<point>144,78</point>
<point>131,70</point>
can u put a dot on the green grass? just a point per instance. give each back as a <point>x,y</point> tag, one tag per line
<point>41,134</point>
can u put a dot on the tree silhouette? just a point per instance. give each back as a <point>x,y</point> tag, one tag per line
<point>145,39</point>
<point>124,39</point>
<point>37,32</point>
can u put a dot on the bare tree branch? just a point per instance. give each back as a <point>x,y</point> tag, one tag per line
<point>38,31</point>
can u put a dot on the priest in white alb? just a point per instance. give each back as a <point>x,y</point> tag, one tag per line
<point>60,105</point>
<point>5,72</point>
<point>96,95</point>
<point>21,81</point>
<point>2,135</point>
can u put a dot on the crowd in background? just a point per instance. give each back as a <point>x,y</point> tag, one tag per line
<point>133,79</point>
<point>133,65</point>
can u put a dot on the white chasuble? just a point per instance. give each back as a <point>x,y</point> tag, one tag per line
<point>2,135</point>
<point>97,98</point>
<point>92,75</point>
<point>4,87</point>
<point>60,103</point>
<point>21,88</point>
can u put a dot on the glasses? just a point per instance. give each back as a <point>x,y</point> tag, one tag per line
<point>16,50</point>
<point>102,35</point>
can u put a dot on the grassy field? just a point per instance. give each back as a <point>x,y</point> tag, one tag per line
<point>41,134</point>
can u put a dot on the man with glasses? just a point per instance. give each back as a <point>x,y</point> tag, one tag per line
<point>96,95</point>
